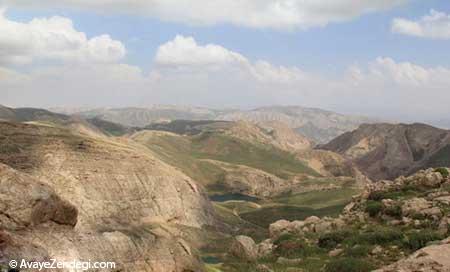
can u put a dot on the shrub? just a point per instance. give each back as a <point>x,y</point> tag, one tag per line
<point>332,239</point>
<point>444,172</point>
<point>289,245</point>
<point>373,207</point>
<point>417,240</point>
<point>348,265</point>
<point>358,251</point>
<point>379,236</point>
<point>376,195</point>
<point>395,211</point>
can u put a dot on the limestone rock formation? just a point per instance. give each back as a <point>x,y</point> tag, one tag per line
<point>434,258</point>
<point>125,205</point>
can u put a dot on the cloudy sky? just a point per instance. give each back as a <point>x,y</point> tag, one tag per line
<point>386,58</point>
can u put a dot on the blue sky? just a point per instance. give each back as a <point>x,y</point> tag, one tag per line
<point>309,62</point>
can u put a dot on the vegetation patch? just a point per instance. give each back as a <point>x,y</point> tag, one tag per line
<point>349,265</point>
<point>373,208</point>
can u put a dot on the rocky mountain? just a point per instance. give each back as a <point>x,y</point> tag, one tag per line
<point>384,151</point>
<point>318,125</point>
<point>140,117</point>
<point>68,195</point>
<point>41,116</point>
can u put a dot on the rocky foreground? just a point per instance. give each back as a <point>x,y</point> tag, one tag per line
<point>70,196</point>
<point>400,225</point>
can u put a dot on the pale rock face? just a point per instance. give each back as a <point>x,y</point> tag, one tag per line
<point>433,258</point>
<point>129,203</point>
<point>38,203</point>
<point>415,205</point>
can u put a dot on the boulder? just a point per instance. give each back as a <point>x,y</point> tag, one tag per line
<point>244,248</point>
<point>335,252</point>
<point>311,220</point>
<point>323,226</point>
<point>415,205</point>
<point>278,227</point>
<point>264,248</point>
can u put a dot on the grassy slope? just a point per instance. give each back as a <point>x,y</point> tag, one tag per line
<point>189,154</point>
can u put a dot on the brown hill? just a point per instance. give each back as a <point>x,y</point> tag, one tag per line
<point>384,151</point>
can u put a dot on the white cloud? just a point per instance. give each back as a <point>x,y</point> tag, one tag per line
<point>184,53</point>
<point>436,25</point>
<point>53,39</point>
<point>275,14</point>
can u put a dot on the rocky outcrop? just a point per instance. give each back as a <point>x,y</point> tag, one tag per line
<point>386,151</point>
<point>38,202</point>
<point>130,205</point>
<point>434,258</point>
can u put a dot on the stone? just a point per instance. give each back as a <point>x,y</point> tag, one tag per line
<point>377,250</point>
<point>415,205</point>
<point>323,226</point>
<point>264,248</point>
<point>278,227</point>
<point>311,220</point>
<point>443,199</point>
<point>339,223</point>
<point>335,252</point>
<point>244,248</point>
<point>434,211</point>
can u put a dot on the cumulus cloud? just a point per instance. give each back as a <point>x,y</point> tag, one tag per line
<point>53,39</point>
<point>436,25</point>
<point>275,14</point>
<point>185,53</point>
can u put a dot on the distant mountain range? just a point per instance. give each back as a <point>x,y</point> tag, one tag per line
<point>317,125</point>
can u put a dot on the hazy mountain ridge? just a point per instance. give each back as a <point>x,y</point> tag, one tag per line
<point>318,125</point>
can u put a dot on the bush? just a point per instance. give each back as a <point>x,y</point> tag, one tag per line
<point>417,240</point>
<point>373,207</point>
<point>376,195</point>
<point>379,236</point>
<point>358,251</point>
<point>394,211</point>
<point>444,172</point>
<point>332,239</point>
<point>348,265</point>
<point>292,246</point>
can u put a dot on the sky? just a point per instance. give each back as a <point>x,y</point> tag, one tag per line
<point>383,58</point>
